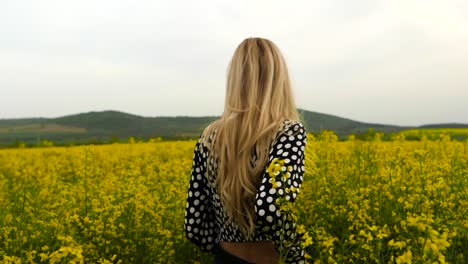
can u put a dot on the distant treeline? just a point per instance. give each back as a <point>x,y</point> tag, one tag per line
<point>459,134</point>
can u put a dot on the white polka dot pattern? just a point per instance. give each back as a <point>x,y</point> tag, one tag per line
<point>291,148</point>
<point>199,217</point>
<point>205,221</point>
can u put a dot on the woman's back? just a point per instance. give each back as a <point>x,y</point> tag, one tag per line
<point>208,226</point>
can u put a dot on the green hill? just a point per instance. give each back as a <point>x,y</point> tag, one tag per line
<point>315,122</point>
<point>114,125</point>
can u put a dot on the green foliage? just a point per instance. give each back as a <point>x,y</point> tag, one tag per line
<point>111,126</point>
<point>46,143</point>
<point>435,133</point>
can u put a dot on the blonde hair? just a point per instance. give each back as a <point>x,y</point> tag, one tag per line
<point>258,100</point>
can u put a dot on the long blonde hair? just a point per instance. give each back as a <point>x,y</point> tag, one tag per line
<point>258,99</point>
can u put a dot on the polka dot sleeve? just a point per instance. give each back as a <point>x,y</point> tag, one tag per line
<point>199,216</point>
<point>287,153</point>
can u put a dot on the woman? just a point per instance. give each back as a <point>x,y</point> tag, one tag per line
<point>232,208</point>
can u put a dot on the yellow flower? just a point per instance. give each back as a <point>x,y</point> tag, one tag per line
<point>275,167</point>
<point>44,257</point>
<point>300,229</point>
<point>407,257</point>
<point>274,185</point>
<point>87,196</point>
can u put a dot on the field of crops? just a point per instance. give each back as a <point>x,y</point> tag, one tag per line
<point>434,133</point>
<point>361,202</point>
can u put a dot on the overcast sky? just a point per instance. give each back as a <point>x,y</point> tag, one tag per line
<point>395,62</point>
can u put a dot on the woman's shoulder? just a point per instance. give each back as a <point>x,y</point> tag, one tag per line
<point>291,131</point>
<point>290,127</point>
<point>208,134</point>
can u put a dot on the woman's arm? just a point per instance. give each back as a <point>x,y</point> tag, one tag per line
<point>281,181</point>
<point>199,219</point>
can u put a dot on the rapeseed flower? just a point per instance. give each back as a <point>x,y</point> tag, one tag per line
<point>118,203</point>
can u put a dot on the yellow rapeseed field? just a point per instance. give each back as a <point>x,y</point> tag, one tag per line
<point>360,202</point>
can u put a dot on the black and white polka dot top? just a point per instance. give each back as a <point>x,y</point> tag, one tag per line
<point>206,224</point>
